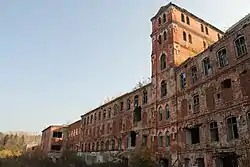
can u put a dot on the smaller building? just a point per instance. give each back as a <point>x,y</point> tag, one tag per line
<point>73,143</point>
<point>53,140</point>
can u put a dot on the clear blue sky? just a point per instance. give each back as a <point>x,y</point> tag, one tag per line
<point>60,58</point>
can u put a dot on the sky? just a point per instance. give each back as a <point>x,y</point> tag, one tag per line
<point>59,59</point>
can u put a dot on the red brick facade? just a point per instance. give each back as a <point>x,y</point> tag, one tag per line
<point>196,109</point>
<point>73,140</point>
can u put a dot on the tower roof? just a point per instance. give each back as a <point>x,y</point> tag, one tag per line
<point>164,8</point>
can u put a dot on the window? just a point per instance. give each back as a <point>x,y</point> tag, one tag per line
<point>55,147</point>
<point>188,22</point>
<point>167,112</point>
<point>145,97</point>
<point>248,119</point>
<point>136,101</point>
<point>115,109</point>
<point>168,140</point>
<point>97,146</point>
<point>204,45</point>
<point>57,134</point>
<point>232,128</point>
<point>159,39</point>
<point>194,135</point>
<point>214,131</point>
<point>240,44</point>
<point>183,80</point>
<point>160,140</point>
<point>102,145</point>
<point>87,120</point>
<point>218,36</point>
<point>206,30</point>
<point>128,104</point>
<point>163,89</point>
<point>91,119</point>
<point>107,145</point>
<point>95,117</point>
<point>121,106</point>
<point>184,36</point>
<point>222,57</point>
<point>163,62</point>
<point>144,140</point>
<point>112,144</point>
<point>99,116</point>
<point>207,66</point>
<point>109,112</point>
<point>104,114</point>
<point>190,38</point>
<point>202,28</point>
<point>164,18</point>
<point>119,144</point>
<point>160,114</point>
<point>93,146</point>
<point>196,103</point>
<point>159,21</point>
<point>226,84</point>
<point>194,74</point>
<point>183,18</point>
<point>165,35</point>
<point>137,114</point>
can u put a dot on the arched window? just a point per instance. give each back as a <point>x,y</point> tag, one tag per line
<point>184,36</point>
<point>188,22</point>
<point>190,38</point>
<point>115,109</point>
<point>168,140</point>
<point>206,30</point>
<point>160,140</point>
<point>112,144</point>
<point>204,45</point>
<point>202,28</point>
<point>159,39</point>
<point>97,146</point>
<point>107,145</point>
<point>145,97</point>
<point>214,133</point>
<point>165,35</point>
<point>102,145</point>
<point>159,21</point>
<point>163,89</point>
<point>93,147</point>
<point>182,18</point>
<point>164,18</point>
<point>232,128</point>
<point>167,111</point>
<point>163,62</point>
<point>160,114</point>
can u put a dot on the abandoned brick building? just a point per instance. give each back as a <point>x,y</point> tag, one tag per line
<point>196,110</point>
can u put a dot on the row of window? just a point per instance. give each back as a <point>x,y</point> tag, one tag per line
<point>222,61</point>
<point>102,146</point>
<point>94,117</point>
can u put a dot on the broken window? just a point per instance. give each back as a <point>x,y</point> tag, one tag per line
<point>188,21</point>
<point>164,18</point>
<point>165,35</point>
<point>182,18</point>
<point>159,39</point>
<point>57,134</point>
<point>144,140</point>
<point>91,119</point>
<point>95,117</point>
<point>159,21</point>
<point>183,80</point>
<point>184,36</point>
<point>119,144</point>
<point>163,88</point>
<point>136,101</point>
<point>206,65</point>
<point>112,144</point>
<point>163,62</point>
<point>93,146</point>
<point>109,112</point>
<point>160,141</point>
<point>167,112</point>
<point>99,116</point>
<point>55,147</point>
<point>115,109</point>
<point>137,114</point>
<point>196,103</point>
<point>214,131</point>
<point>193,135</point>
<point>145,97</point>
<point>97,146</point>
<point>202,28</point>
<point>108,126</point>
<point>240,44</point>
<point>121,106</point>
<point>200,162</point>
<point>226,84</point>
<point>168,140</point>
<point>190,38</point>
<point>222,58</point>
<point>160,114</point>
<point>102,145</point>
<point>187,162</point>
<point>206,30</point>
<point>194,74</point>
<point>133,138</point>
<point>232,128</point>
<point>128,104</point>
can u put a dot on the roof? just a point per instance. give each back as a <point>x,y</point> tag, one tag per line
<point>163,8</point>
<point>243,20</point>
<point>52,126</point>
